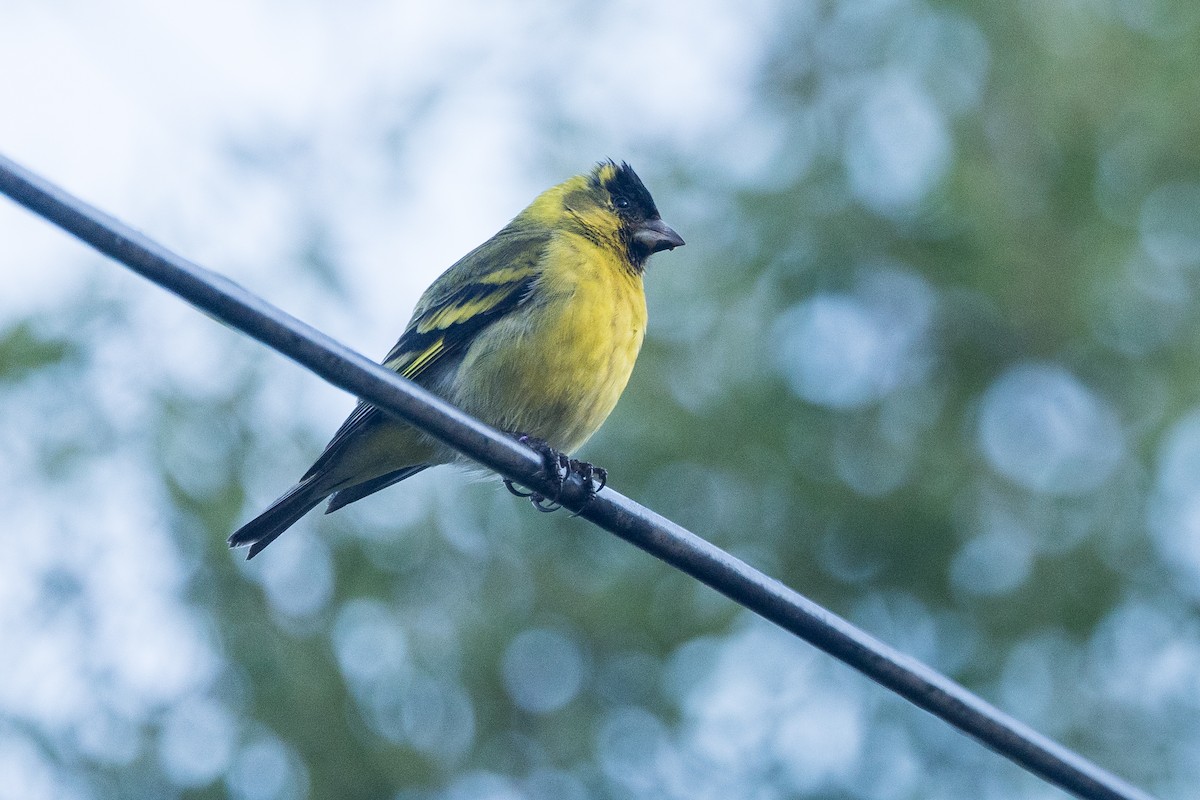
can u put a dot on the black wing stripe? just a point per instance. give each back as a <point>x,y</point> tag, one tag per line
<point>416,351</point>
<point>454,324</point>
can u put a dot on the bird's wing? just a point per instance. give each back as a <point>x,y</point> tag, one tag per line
<point>481,288</point>
<point>484,286</point>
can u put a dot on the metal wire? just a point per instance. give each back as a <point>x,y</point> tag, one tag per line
<point>662,538</point>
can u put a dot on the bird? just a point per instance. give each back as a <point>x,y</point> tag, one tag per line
<point>534,332</point>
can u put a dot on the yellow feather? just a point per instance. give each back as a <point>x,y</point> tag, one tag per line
<point>556,372</point>
<point>505,276</point>
<point>453,315</point>
<point>420,360</point>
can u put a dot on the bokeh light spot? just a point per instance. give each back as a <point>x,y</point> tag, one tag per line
<point>196,742</point>
<point>1170,224</point>
<point>28,775</point>
<point>847,350</point>
<point>1044,430</point>
<point>831,350</point>
<point>266,769</point>
<point>369,643</point>
<point>298,577</point>
<point>1173,510</point>
<point>993,563</point>
<point>628,747</point>
<point>437,717</point>
<point>543,669</point>
<point>483,786</point>
<point>897,147</point>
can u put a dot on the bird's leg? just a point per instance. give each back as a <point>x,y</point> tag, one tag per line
<point>556,465</point>
<point>508,484</point>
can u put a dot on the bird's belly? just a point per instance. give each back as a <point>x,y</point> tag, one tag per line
<point>557,372</point>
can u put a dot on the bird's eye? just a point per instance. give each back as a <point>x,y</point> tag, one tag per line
<point>621,202</point>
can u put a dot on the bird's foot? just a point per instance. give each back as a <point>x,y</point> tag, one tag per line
<point>594,479</point>
<point>558,468</point>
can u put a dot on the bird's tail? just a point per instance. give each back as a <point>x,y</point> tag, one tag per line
<point>281,515</point>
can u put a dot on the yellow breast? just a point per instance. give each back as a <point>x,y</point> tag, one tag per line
<point>556,369</point>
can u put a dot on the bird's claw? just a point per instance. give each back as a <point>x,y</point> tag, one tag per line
<point>539,501</point>
<point>544,504</point>
<point>508,484</point>
<point>559,467</point>
<point>594,479</point>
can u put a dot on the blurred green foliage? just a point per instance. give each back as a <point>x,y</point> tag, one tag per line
<point>24,350</point>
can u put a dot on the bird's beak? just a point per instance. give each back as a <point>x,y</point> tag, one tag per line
<point>654,235</point>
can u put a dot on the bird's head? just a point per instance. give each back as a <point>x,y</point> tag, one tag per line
<point>612,207</point>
